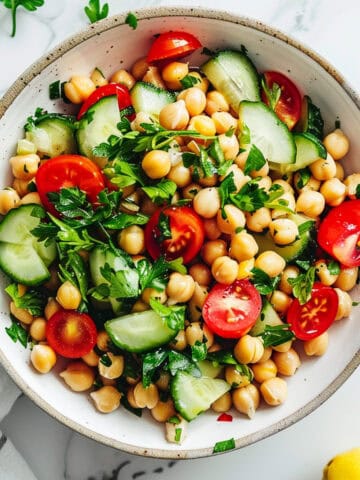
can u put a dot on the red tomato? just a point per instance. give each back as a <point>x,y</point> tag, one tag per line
<point>231,310</point>
<point>339,233</point>
<point>172,45</point>
<point>68,171</point>
<point>121,91</point>
<point>187,234</point>
<point>71,334</point>
<point>288,107</point>
<point>314,317</point>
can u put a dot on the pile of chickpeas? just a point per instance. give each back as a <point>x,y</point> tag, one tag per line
<point>230,250</point>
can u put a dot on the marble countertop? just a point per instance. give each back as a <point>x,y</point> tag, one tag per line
<point>53,451</point>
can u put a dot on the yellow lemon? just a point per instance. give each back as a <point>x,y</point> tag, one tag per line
<point>345,466</point>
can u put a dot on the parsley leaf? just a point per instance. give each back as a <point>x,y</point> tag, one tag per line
<point>272,93</point>
<point>181,362</point>
<point>276,335</point>
<point>13,5</point>
<point>226,188</point>
<point>334,267</point>
<point>32,300</point>
<point>174,316</point>
<point>164,227</point>
<point>17,333</point>
<point>263,283</point>
<point>162,192</point>
<point>189,81</point>
<point>224,446</point>
<point>72,268</point>
<point>357,191</point>
<point>304,176</point>
<point>123,282</point>
<point>302,285</point>
<point>124,220</point>
<point>151,362</point>
<point>131,20</point>
<point>95,12</point>
<point>156,275</point>
<point>198,351</point>
<point>254,161</point>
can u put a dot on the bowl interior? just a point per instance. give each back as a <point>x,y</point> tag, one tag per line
<point>112,45</point>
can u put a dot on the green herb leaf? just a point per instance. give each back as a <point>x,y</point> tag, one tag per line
<point>13,5</point>
<point>54,90</point>
<point>175,420</point>
<point>198,351</point>
<point>181,362</point>
<point>254,161</point>
<point>222,357</point>
<point>17,333</point>
<point>334,267</point>
<point>224,446</point>
<point>263,283</point>
<point>156,275</point>
<point>272,93</point>
<point>131,20</point>
<point>72,268</point>
<point>124,220</point>
<point>33,300</point>
<point>276,335</point>
<point>189,81</point>
<point>152,361</point>
<point>178,432</point>
<point>174,316</point>
<point>304,177</point>
<point>162,192</point>
<point>302,285</point>
<point>95,12</point>
<point>164,227</point>
<point>306,226</point>
<point>105,360</point>
<point>357,191</point>
<point>124,281</point>
<point>226,188</point>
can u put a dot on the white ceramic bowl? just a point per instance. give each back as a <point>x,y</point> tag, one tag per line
<point>109,45</point>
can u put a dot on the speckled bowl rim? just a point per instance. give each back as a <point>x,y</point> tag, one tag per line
<point>57,52</point>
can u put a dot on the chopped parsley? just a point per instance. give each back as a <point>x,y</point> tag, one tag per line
<point>224,446</point>
<point>95,12</point>
<point>302,285</point>
<point>131,20</point>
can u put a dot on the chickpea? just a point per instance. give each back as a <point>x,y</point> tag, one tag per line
<point>265,183</point>
<point>224,121</point>
<point>200,273</point>
<point>21,187</point>
<point>274,391</point>
<point>123,77</point>
<point>351,182</point>
<point>78,376</point>
<point>38,329</point>
<point>51,307</point>
<point>261,172</point>
<point>207,202</point>
<point>264,370</point>
<point>271,262</point>
<point>249,349</point>
<point>287,362</point>
<point>23,315</point>
<point>337,144</point>
<point>194,333</point>
<point>266,355</point>
<point>176,432</point>
<point>283,347</point>
<point>340,173</point>
<point>283,231</point>
<point>174,116</point>
<point>197,301</point>
<point>223,403</point>
<point>239,178</point>
<point>132,240</point>
<point>324,168</point>
<point>130,398</point>
<point>173,72</point>
<point>153,76</point>
<point>243,246</point>
<point>212,250</point>
<point>246,399</point>
<point>224,270</point>
<point>32,197</point>
<point>156,164</point>
<point>345,304</point>
<point>146,396</point>
<point>207,181</point>
<point>68,296</point>
<point>235,378</point>
<point>259,220</point>
<point>245,268</point>
<point>180,288</point>
<point>179,343</point>
<point>25,167</point>
<point>102,340</point>
<point>310,203</point>
<point>106,399</point>
<point>98,78</point>
<point>216,102</point>
<point>163,381</point>
<point>190,191</point>
<point>289,200</point>
<point>141,117</point>
<point>91,359</point>
<point>115,369</point>
<point>334,191</point>
<point>195,100</point>
<point>140,306</point>
<point>163,411</point>
<point>229,146</point>
<point>202,124</point>
<point>139,68</point>
<point>43,358</point>
<point>9,199</point>
<point>347,278</point>
<point>180,175</point>
<point>202,83</point>
<point>212,231</point>
<point>317,346</point>
<point>149,293</point>
<point>323,273</point>
<point>290,271</point>
<point>280,301</point>
<point>79,88</point>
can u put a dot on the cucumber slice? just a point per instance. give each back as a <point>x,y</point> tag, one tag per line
<point>267,132</point>
<point>52,134</point>
<point>147,98</point>
<point>22,257</point>
<point>268,316</point>
<point>288,252</point>
<point>139,332</point>
<point>311,120</point>
<point>308,150</point>
<point>193,396</point>
<point>233,74</point>
<point>208,369</point>
<point>97,125</point>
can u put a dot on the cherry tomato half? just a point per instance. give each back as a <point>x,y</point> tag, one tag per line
<point>187,233</point>
<point>172,45</point>
<point>288,107</point>
<point>68,171</point>
<point>71,334</point>
<point>231,310</point>
<point>314,317</point>
<point>117,89</point>
<point>339,233</point>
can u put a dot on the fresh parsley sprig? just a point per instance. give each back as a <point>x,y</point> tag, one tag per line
<point>95,12</point>
<point>274,335</point>
<point>272,93</point>
<point>13,5</point>
<point>303,284</point>
<point>32,300</point>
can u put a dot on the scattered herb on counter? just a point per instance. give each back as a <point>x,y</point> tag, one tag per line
<point>95,12</point>
<point>13,5</point>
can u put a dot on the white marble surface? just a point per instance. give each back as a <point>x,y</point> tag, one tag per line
<point>54,452</point>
